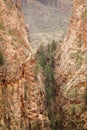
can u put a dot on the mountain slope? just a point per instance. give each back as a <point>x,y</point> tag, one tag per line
<point>45,22</point>
<point>57,3</point>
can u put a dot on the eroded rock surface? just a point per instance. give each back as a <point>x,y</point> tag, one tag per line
<point>71,61</point>
<point>22,94</point>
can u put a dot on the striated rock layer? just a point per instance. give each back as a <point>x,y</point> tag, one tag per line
<point>71,61</point>
<point>22,92</point>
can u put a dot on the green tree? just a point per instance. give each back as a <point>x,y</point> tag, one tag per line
<point>53,46</point>
<point>46,60</point>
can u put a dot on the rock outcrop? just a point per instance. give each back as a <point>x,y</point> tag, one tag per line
<point>22,94</point>
<point>71,63</point>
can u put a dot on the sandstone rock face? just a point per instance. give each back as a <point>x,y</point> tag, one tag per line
<point>19,86</point>
<point>71,59</point>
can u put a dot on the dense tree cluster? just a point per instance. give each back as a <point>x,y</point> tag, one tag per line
<point>60,117</point>
<point>46,60</point>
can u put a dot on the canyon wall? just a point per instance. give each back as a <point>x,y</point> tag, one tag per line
<point>22,94</point>
<point>71,65</point>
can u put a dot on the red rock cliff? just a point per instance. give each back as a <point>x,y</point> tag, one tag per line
<point>71,60</point>
<point>22,92</point>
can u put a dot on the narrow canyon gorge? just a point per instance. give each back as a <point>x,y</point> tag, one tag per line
<point>44,89</point>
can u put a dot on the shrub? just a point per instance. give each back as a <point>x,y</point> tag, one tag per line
<point>33,126</point>
<point>1,58</point>
<point>1,39</point>
<point>1,25</point>
<point>84,15</point>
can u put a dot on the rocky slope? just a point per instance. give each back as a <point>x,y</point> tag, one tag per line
<point>71,66</point>
<point>19,86</point>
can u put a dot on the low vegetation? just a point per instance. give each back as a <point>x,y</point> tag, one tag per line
<point>78,56</point>
<point>1,25</point>
<point>61,118</point>
<point>1,58</point>
<point>84,15</point>
<point>85,98</point>
<point>46,60</point>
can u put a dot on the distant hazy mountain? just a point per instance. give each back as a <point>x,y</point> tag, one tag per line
<point>52,2</point>
<point>57,3</point>
<point>46,19</point>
